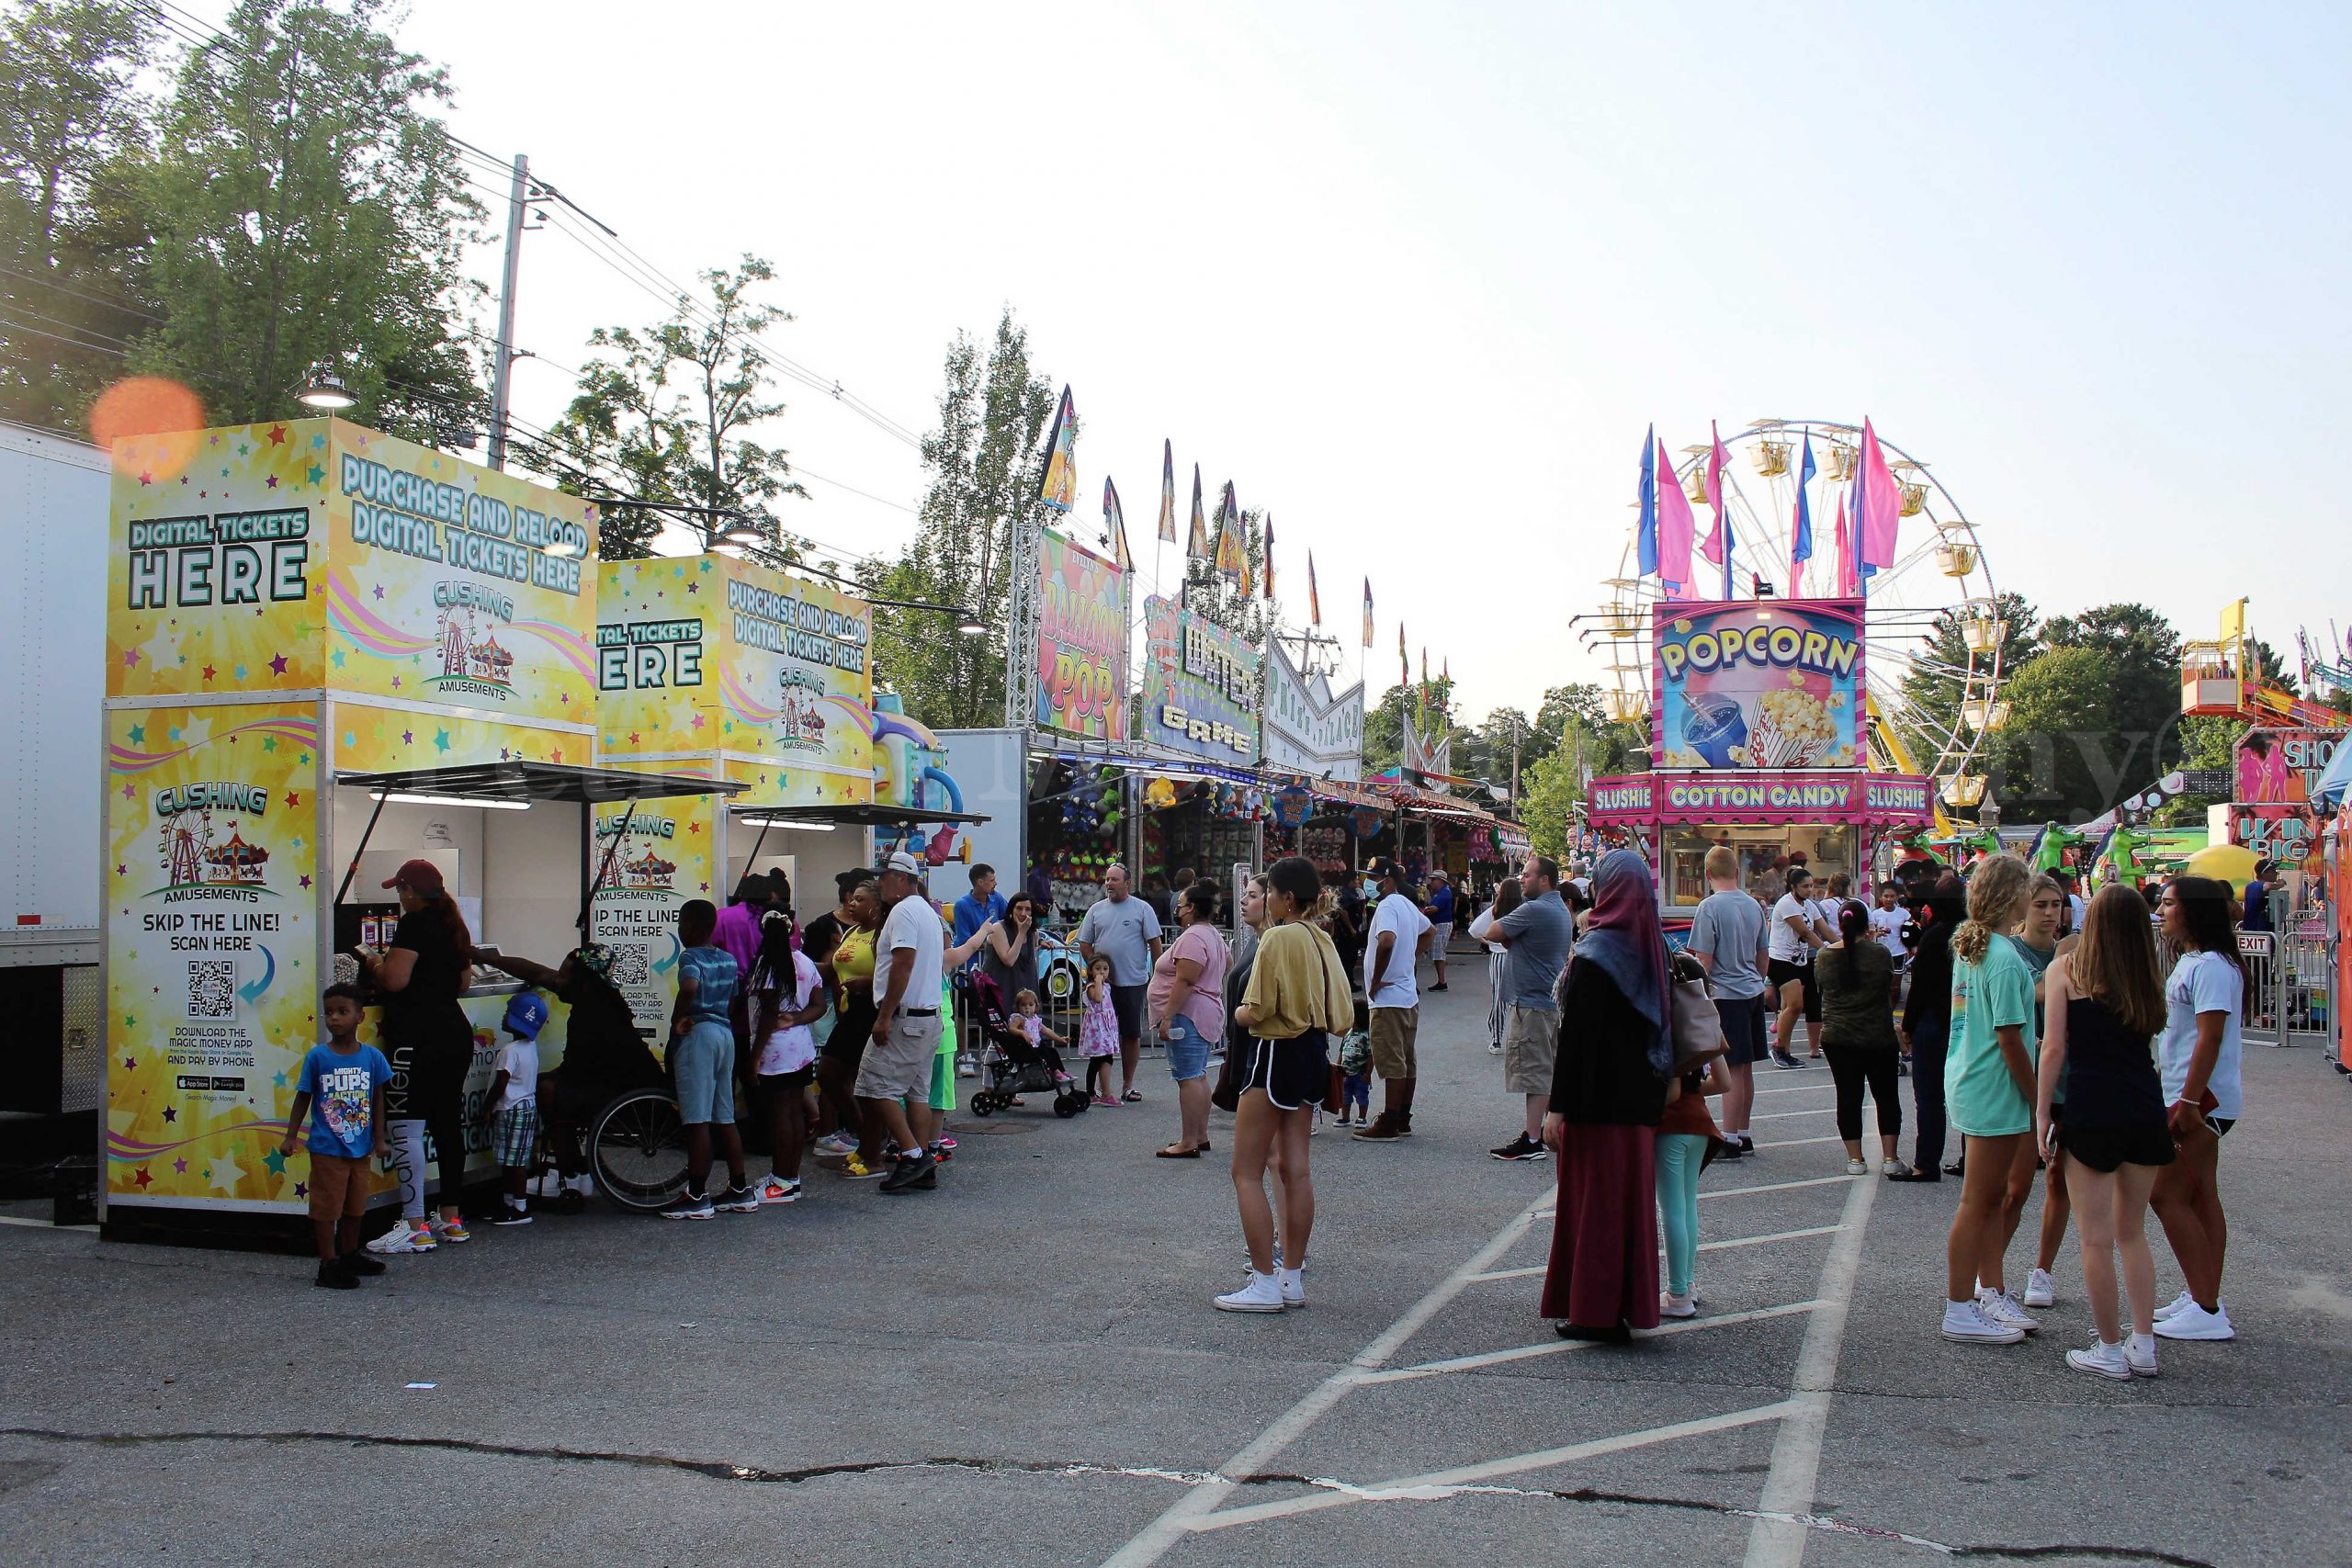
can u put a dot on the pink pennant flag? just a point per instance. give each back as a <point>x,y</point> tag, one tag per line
<point>1713,549</point>
<point>1675,529</point>
<point>1880,507</point>
<point>1847,581</point>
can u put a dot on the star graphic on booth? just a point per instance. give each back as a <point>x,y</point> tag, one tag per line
<point>131,659</point>
<point>315,474</point>
<point>379,591</point>
<point>139,735</point>
<point>698,721</point>
<point>278,664</point>
<point>224,1174</point>
<point>130,791</point>
<point>130,1064</point>
<point>278,435</point>
<point>441,740</point>
<point>408,737</point>
<point>120,869</point>
<point>396,682</point>
<point>145,478</point>
<point>141,1179</point>
<point>306,879</point>
<point>293,799</point>
<point>179,1167</point>
<point>171,1114</point>
<point>275,1161</point>
<point>273,481</point>
<point>207,671</point>
<point>240,673</point>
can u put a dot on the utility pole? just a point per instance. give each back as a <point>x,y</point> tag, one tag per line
<point>503,372</point>
<point>1514,760</point>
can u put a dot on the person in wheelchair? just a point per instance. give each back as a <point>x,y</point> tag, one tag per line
<point>603,1056</point>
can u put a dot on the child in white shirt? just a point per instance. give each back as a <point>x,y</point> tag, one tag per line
<point>511,1106</point>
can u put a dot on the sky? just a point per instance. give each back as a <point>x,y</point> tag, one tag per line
<point>1416,278</point>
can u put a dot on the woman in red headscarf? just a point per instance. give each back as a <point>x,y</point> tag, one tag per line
<point>1607,1093</point>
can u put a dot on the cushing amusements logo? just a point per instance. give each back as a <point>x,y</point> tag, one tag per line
<point>637,865</point>
<point>473,662</point>
<point>201,844</point>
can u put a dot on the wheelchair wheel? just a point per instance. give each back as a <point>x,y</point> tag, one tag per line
<point>638,1148</point>
<point>983,1103</point>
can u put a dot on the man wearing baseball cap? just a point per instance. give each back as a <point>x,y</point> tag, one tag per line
<point>1399,931</point>
<point>894,1079</point>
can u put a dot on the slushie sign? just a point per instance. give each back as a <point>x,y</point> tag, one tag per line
<point>1770,684</point>
<point>1081,630</point>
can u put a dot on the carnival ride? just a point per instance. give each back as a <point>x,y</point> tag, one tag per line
<point>2223,677</point>
<point>1929,704</point>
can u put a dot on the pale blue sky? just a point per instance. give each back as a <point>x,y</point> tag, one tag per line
<point>1417,278</point>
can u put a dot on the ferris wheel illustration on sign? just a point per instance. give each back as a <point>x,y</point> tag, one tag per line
<point>1931,619</point>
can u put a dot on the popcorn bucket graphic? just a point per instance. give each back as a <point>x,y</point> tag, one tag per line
<point>1793,728</point>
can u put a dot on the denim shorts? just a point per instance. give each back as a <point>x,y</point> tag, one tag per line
<point>705,1065</point>
<point>1188,1049</point>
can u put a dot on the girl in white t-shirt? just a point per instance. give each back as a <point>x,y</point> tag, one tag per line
<point>2199,1055</point>
<point>787,995</point>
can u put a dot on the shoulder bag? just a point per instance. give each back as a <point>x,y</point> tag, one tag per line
<point>1698,1030</point>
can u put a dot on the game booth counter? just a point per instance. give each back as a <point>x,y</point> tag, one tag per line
<point>328,651</point>
<point>1760,743</point>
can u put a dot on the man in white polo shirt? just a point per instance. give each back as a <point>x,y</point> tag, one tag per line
<point>894,1079</point>
<point>1399,932</point>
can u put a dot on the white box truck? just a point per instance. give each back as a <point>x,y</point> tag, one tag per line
<point>53,507</point>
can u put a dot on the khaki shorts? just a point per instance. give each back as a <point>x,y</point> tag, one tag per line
<point>1530,1046</point>
<point>338,1187</point>
<point>898,1066</point>
<point>1394,1029</point>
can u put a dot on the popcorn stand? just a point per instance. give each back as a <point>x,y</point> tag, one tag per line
<point>1759,742</point>
<point>328,651</point>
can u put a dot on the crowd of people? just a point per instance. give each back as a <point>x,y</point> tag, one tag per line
<point>2048,1031</point>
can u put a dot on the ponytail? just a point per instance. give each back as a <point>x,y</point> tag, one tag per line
<point>1853,920</point>
<point>453,919</point>
<point>1994,890</point>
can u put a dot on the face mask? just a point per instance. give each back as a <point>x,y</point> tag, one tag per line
<point>1371,889</point>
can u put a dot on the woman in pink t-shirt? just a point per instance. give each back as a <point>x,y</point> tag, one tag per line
<point>1187,1003</point>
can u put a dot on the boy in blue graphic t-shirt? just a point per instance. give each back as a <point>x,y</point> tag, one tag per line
<point>341,1093</point>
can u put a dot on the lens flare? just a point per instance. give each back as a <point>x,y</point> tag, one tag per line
<point>153,406</point>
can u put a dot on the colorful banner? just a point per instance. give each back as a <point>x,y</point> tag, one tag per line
<point>299,554</point>
<point>1757,796</point>
<point>706,654</point>
<point>212,898</point>
<point>1057,486</point>
<point>2283,765</point>
<point>1308,730</point>
<point>662,859</point>
<point>1772,684</point>
<point>1080,632</point>
<point>1200,685</point>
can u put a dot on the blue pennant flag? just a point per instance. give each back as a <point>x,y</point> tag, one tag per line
<point>1802,552</point>
<point>1647,534</point>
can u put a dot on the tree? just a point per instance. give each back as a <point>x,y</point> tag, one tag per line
<point>1932,682</point>
<point>1549,795</point>
<point>305,208</point>
<point>2139,740</point>
<point>72,122</point>
<point>984,460</point>
<point>2051,759</point>
<point>669,407</point>
<point>1219,600</point>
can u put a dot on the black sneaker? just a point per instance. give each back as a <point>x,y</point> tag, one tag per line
<point>334,1276</point>
<point>913,1173</point>
<point>508,1214</point>
<point>739,1201</point>
<point>1521,1148</point>
<point>1782,1059</point>
<point>1746,1145</point>
<point>361,1263</point>
<point>689,1206</point>
<point>1731,1149</point>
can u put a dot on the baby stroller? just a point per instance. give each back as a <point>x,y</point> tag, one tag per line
<point>1008,1062</point>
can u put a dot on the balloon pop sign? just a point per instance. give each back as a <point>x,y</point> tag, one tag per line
<point>1080,634</point>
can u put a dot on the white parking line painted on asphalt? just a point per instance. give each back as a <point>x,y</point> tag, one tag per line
<point>1438,1484</point>
<point>1534,1269</point>
<point>1798,1143</point>
<point>1185,1514</point>
<point>1774,1187</point>
<point>1784,1115</point>
<point>1797,1088</point>
<point>1779,1541</point>
<point>1558,1347</point>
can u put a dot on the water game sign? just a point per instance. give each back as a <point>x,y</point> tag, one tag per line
<point>1082,639</point>
<point>1308,730</point>
<point>1776,683</point>
<point>1200,685</point>
<point>709,654</point>
<point>1762,796</point>
<point>212,889</point>
<point>299,554</point>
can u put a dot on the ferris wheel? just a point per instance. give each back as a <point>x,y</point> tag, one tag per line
<point>1931,707</point>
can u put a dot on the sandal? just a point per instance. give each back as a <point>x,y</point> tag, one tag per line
<point>1203,1149</point>
<point>1912,1173</point>
<point>1132,1096</point>
<point>1172,1152</point>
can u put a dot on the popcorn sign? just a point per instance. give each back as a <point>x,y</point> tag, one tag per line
<point>1774,684</point>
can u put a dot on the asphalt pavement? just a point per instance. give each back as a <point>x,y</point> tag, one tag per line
<point>1024,1368</point>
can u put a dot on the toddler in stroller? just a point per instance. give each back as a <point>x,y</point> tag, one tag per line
<point>1013,1060</point>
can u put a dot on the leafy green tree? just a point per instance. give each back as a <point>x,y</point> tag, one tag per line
<point>1549,793</point>
<point>2140,736</point>
<point>1932,686</point>
<point>1430,707</point>
<point>995,412</point>
<point>670,408</point>
<point>2053,759</point>
<point>305,206</point>
<point>73,126</point>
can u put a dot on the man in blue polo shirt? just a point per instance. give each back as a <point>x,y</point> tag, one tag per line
<point>977,909</point>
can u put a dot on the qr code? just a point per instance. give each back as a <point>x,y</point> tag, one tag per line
<point>212,987</point>
<point>628,963</point>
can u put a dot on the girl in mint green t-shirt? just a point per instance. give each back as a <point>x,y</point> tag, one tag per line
<point>1989,1086</point>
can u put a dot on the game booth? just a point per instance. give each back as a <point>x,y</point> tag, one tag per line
<point>1759,742</point>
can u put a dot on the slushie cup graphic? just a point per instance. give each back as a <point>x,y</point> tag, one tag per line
<point>1714,725</point>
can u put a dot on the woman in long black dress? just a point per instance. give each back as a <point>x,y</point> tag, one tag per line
<point>425,1033</point>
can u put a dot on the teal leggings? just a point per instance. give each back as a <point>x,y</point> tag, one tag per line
<point>1679,1155</point>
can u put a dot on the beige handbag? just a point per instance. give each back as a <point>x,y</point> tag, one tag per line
<point>1697,1029</point>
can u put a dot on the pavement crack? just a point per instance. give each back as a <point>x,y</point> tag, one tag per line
<point>721,1469</point>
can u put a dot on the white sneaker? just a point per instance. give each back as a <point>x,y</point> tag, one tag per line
<point>2139,1351</point>
<point>1294,1286</point>
<point>1263,1293</point>
<point>584,1184</point>
<point>1856,1167</point>
<point>403,1238</point>
<point>2106,1360</point>
<point>1967,1323</point>
<point>2174,1306</point>
<point>2038,1293</point>
<point>2193,1322</point>
<point>775,1190</point>
<point>2002,1308</point>
<point>1671,1305</point>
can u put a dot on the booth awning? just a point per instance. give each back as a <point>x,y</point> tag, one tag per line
<point>857,815</point>
<point>536,782</point>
